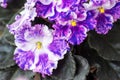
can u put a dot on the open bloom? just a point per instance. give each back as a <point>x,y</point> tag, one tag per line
<point>106,12</point>
<point>74,35</point>
<point>38,50</point>
<point>73,26</point>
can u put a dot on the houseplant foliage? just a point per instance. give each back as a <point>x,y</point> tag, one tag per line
<point>59,40</point>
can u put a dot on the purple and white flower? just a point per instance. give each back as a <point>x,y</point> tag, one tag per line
<point>73,34</point>
<point>74,25</point>
<point>38,50</point>
<point>71,30</point>
<point>106,12</point>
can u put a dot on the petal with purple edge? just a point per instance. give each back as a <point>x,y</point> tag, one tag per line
<point>45,65</point>
<point>104,23</point>
<point>33,45</point>
<point>19,24</point>
<point>90,22</point>
<point>59,47</point>
<point>24,59</point>
<point>65,5</point>
<point>78,35</point>
<point>44,10</point>
<point>115,11</point>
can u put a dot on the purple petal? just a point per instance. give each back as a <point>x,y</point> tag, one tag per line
<point>104,23</point>
<point>44,10</point>
<point>59,47</point>
<point>65,5</point>
<point>44,65</point>
<point>78,35</point>
<point>24,59</point>
<point>90,21</point>
<point>115,11</point>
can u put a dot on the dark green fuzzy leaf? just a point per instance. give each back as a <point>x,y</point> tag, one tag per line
<point>4,15</point>
<point>14,15</point>
<point>9,38</point>
<point>103,71</point>
<point>13,73</point>
<point>22,75</point>
<point>82,68</point>
<point>7,13</point>
<point>6,74</point>
<point>65,70</point>
<point>6,54</point>
<point>108,46</point>
<point>116,66</point>
<point>106,72</point>
<point>2,27</point>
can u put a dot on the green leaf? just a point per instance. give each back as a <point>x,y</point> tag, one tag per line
<point>22,75</point>
<point>6,74</point>
<point>5,15</point>
<point>82,68</point>
<point>6,54</point>
<point>14,73</point>
<point>108,46</point>
<point>2,27</point>
<point>9,38</point>
<point>104,71</point>
<point>116,66</point>
<point>100,68</point>
<point>14,15</point>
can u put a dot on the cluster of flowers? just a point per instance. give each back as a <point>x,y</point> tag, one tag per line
<point>39,48</point>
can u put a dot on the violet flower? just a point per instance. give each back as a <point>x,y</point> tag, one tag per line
<point>73,34</point>
<point>70,30</point>
<point>38,50</point>
<point>106,12</point>
<point>74,25</point>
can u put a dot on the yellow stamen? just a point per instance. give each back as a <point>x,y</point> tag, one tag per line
<point>101,10</point>
<point>38,45</point>
<point>73,23</point>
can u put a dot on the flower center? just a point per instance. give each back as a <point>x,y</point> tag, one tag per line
<point>101,9</point>
<point>39,45</point>
<point>73,23</point>
<point>56,1</point>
